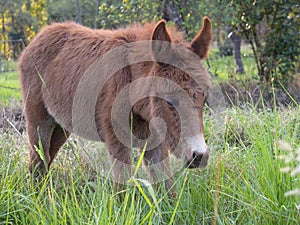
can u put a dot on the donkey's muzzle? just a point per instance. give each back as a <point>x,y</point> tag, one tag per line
<point>198,160</point>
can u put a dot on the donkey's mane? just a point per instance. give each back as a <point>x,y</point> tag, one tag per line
<point>138,32</point>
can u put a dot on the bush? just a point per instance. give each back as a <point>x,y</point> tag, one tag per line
<point>272,31</point>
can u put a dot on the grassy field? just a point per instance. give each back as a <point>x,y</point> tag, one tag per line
<point>248,181</point>
<point>9,87</point>
<point>224,67</point>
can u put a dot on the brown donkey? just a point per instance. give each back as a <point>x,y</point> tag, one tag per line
<point>53,65</point>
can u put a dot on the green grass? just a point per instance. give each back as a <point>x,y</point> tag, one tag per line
<point>9,87</point>
<point>10,65</point>
<point>224,67</point>
<point>243,184</point>
<point>250,186</point>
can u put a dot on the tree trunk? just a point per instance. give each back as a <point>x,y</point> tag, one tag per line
<point>96,13</point>
<point>79,19</point>
<point>3,33</point>
<point>12,36</point>
<point>237,40</point>
<point>169,13</point>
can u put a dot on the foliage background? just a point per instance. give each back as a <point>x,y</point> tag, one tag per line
<point>271,28</point>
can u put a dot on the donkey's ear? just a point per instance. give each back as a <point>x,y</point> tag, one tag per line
<point>161,43</point>
<point>201,43</point>
<point>160,32</point>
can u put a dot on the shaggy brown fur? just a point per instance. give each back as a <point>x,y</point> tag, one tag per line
<point>54,62</point>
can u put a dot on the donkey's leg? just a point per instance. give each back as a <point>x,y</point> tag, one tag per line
<point>120,159</point>
<point>40,126</point>
<point>59,137</point>
<point>158,164</point>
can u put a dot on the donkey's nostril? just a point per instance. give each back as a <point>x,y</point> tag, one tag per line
<point>198,160</point>
<point>197,156</point>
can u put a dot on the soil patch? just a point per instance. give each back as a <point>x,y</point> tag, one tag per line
<point>12,118</point>
<point>260,95</point>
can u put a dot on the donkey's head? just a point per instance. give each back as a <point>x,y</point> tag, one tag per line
<point>180,93</point>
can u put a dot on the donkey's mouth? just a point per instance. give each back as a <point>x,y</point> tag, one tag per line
<point>198,161</point>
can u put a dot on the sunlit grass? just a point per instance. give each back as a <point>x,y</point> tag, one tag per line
<point>224,67</point>
<point>9,87</point>
<point>243,184</point>
<point>251,187</point>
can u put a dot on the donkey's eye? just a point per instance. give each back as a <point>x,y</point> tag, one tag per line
<point>172,102</point>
